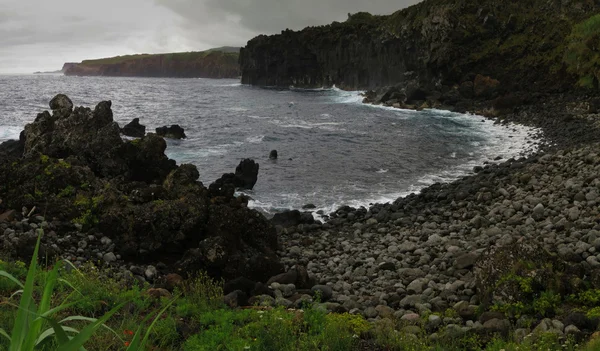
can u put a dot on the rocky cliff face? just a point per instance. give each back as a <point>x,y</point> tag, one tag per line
<point>67,66</point>
<point>436,44</point>
<point>213,64</point>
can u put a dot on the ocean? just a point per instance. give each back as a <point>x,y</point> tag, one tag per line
<point>333,150</point>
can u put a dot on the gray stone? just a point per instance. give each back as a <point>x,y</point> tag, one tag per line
<point>295,251</point>
<point>546,326</point>
<point>574,214</point>
<point>466,260</point>
<point>417,286</point>
<point>572,330</point>
<point>387,266</point>
<point>384,311</point>
<point>433,322</point>
<point>370,312</point>
<point>496,325</point>
<point>411,317</point>
<point>538,212</point>
<point>109,257</point>
<point>150,272</point>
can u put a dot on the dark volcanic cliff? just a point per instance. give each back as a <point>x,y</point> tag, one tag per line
<point>436,43</point>
<point>207,64</point>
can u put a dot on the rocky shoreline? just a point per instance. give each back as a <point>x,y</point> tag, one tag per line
<point>513,249</point>
<point>441,250</point>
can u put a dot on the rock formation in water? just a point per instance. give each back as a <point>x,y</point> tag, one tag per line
<point>134,129</point>
<point>216,63</point>
<point>73,166</point>
<point>172,132</point>
<point>449,49</point>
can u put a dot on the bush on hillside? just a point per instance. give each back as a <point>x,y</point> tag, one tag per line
<point>583,56</point>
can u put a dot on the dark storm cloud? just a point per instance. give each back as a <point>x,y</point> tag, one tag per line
<point>242,19</point>
<point>275,15</point>
<point>42,35</point>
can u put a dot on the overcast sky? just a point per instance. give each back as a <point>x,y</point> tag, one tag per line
<point>40,35</point>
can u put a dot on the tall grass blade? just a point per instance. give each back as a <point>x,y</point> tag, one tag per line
<point>36,326</point>
<point>137,343</point>
<point>59,332</point>
<point>5,334</point>
<point>22,321</point>
<point>51,332</point>
<point>12,278</point>
<point>87,332</point>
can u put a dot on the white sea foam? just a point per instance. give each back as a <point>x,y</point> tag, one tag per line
<point>255,139</point>
<point>508,141</point>
<point>236,109</point>
<point>9,132</point>
<point>382,171</point>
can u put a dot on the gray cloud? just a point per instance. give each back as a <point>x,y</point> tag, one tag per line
<point>272,16</point>
<point>42,34</point>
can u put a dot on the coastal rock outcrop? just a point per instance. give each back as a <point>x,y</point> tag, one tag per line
<point>245,177</point>
<point>76,168</point>
<point>172,132</point>
<point>134,129</point>
<point>475,48</point>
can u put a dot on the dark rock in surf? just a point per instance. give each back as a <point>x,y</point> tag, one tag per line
<point>273,155</point>
<point>245,177</point>
<point>288,219</point>
<point>172,132</point>
<point>134,129</point>
<point>246,174</point>
<point>61,101</point>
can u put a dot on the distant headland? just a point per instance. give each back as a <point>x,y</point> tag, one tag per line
<point>214,63</point>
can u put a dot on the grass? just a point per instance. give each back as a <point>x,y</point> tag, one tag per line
<point>179,56</point>
<point>197,320</point>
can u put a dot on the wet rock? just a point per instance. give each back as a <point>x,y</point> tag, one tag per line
<point>172,132</point>
<point>273,155</point>
<point>60,102</point>
<point>134,129</point>
<point>292,218</point>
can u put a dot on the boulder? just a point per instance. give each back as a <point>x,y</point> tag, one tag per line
<point>61,101</point>
<point>246,173</point>
<point>172,132</point>
<point>134,129</point>
<point>236,299</point>
<point>273,155</point>
<point>245,177</point>
<point>292,218</point>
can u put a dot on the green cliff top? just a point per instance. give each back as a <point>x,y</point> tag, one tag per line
<point>184,56</point>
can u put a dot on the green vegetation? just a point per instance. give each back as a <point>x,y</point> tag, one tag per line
<point>582,56</point>
<point>178,56</point>
<point>35,324</point>
<point>197,320</point>
<point>88,208</point>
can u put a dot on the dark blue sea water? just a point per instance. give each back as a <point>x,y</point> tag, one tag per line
<point>333,150</point>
